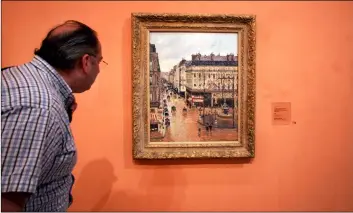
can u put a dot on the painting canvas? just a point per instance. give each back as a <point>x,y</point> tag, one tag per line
<point>193,84</point>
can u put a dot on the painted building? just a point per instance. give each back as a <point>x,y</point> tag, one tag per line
<point>211,80</point>
<point>155,77</point>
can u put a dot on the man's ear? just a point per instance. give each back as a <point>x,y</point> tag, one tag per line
<point>85,63</point>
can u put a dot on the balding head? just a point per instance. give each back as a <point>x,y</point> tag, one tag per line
<point>67,27</point>
<point>67,43</point>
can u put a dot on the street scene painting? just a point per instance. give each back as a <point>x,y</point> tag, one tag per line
<point>193,91</point>
<point>193,86</point>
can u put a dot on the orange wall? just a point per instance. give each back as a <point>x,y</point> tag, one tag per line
<point>304,55</point>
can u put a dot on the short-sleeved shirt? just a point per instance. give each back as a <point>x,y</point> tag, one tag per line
<point>38,152</point>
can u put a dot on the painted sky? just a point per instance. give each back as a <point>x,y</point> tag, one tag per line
<point>173,46</point>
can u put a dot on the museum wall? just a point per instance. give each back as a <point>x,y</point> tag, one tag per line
<point>304,56</point>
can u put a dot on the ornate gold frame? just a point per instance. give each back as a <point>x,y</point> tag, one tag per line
<point>244,25</point>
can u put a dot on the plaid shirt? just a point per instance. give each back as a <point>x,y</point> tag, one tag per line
<point>38,152</point>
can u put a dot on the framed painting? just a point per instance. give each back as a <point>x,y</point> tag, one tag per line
<point>193,85</point>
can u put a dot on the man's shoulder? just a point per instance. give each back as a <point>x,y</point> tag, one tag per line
<point>23,73</point>
<point>25,85</point>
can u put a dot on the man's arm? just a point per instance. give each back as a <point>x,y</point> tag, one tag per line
<point>24,131</point>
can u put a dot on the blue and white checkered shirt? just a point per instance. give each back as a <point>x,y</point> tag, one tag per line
<point>38,152</point>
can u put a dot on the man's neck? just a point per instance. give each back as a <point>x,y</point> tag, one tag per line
<point>68,79</point>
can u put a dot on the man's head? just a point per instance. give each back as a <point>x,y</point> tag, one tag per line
<point>74,50</point>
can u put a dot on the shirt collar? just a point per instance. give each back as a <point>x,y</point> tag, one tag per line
<point>59,82</point>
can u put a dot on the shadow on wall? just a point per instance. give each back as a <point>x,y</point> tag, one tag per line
<point>93,186</point>
<point>158,189</point>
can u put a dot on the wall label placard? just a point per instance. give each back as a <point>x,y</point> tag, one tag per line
<point>281,113</point>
